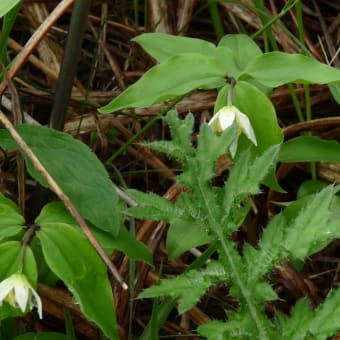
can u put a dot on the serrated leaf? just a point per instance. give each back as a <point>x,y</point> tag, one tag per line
<point>274,69</point>
<point>176,76</point>
<point>152,206</point>
<point>11,221</point>
<point>71,257</point>
<point>319,324</point>
<point>260,111</point>
<point>77,171</point>
<point>246,175</point>
<point>188,287</point>
<point>311,226</point>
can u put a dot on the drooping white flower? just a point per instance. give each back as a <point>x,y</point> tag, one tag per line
<point>225,117</point>
<point>18,292</point>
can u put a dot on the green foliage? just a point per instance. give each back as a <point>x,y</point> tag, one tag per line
<point>76,169</point>
<point>310,149</point>
<point>274,69</point>
<point>11,221</point>
<point>72,258</point>
<point>217,213</point>
<point>6,6</point>
<point>9,9</point>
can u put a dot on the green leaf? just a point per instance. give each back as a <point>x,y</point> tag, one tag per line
<point>319,324</point>
<point>7,25</point>
<point>185,233</point>
<point>11,221</point>
<point>77,171</point>
<point>71,257</point>
<point>261,113</point>
<point>313,228</point>
<point>310,149</point>
<point>244,49</point>
<point>41,336</point>
<point>274,69</point>
<point>335,91</point>
<point>189,287</point>
<point>162,46</point>
<point>176,76</point>
<point>55,212</point>
<point>152,206</point>
<point>6,6</point>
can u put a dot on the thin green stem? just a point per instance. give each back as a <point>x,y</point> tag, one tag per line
<point>296,102</point>
<point>216,19</point>
<point>246,294</point>
<point>284,10</point>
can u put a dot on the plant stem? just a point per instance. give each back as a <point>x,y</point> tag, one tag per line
<point>215,227</point>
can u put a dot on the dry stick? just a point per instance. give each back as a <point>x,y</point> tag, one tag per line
<point>62,196</point>
<point>35,39</point>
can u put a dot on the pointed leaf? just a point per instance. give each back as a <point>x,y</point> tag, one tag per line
<point>77,171</point>
<point>274,69</point>
<point>162,46</point>
<point>310,149</point>
<point>244,49</point>
<point>311,226</point>
<point>71,257</point>
<point>189,287</point>
<point>176,76</point>
<point>55,212</point>
<point>11,221</point>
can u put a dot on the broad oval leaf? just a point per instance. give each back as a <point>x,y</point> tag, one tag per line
<point>55,212</point>
<point>162,46</point>
<point>261,113</point>
<point>310,149</point>
<point>277,68</point>
<point>11,221</point>
<point>71,257</point>
<point>77,171</point>
<point>244,49</point>
<point>176,76</point>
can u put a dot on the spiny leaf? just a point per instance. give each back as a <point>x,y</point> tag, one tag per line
<point>188,287</point>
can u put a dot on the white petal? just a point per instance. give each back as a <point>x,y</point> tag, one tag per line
<point>226,118</point>
<point>36,301</point>
<point>247,129</point>
<point>5,287</point>
<point>21,292</point>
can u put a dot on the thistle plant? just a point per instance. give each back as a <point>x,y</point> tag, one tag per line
<point>207,214</point>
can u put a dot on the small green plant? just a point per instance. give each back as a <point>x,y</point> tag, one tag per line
<point>209,214</point>
<point>245,125</point>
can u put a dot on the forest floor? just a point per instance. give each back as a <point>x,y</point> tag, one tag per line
<point>109,63</point>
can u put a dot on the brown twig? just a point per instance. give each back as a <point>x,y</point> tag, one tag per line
<point>62,196</point>
<point>35,39</point>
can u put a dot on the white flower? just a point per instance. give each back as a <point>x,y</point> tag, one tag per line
<point>225,117</point>
<point>17,291</point>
